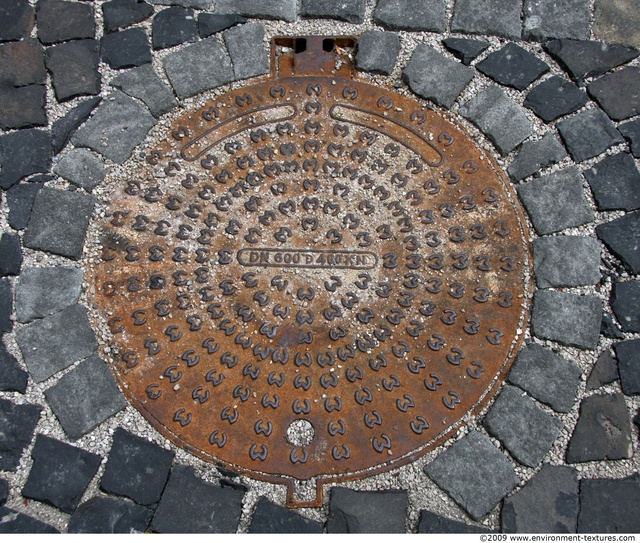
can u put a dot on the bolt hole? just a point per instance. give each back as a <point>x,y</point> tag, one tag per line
<point>301,45</point>
<point>300,433</point>
<point>327,45</point>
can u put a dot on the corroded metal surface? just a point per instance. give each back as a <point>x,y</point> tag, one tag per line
<point>312,278</point>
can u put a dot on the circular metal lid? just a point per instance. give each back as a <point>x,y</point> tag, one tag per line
<point>312,277</point>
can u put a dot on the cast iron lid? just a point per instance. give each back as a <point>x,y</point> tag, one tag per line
<point>312,277</point>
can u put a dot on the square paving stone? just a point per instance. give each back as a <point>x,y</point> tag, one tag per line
<point>609,505</point>
<point>126,49</point>
<point>556,201</point>
<point>58,222</point>
<point>20,199</point>
<point>287,10</point>
<point>546,376</point>
<point>120,13</point>
<point>74,68</point>
<point>377,52</point>
<point>33,146</point>
<point>548,503</point>
<point>82,168</point>
<point>14,522</point>
<point>535,155</point>
<point>524,429</point>
<point>566,261</point>
<point>617,93</point>
<point>198,67</point>
<point>625,302</point>
<point>191,505</point>
<point>554,98</point>
<point>173,26</point>
<point>12,377</point>
<point>557,19</point>
<point>603,430</point>
<point>65,127</point>
<point>22,107</point>
<point>17,424</point>
<point>116,128</point>
<point>85,397</point>
<point>617,22</point>
<point>355,512</point>
<point>501,119</point>
<point>604,372</point>
<point>55,342</point>
<point>351,11</point>
<point>60,473</point>
<point>197,4</point>
<point>602,134</point>
<point>615,182</point>
<point>497,17</point>
<point>61,21</point>
<point>434,76</point>
<point>143,83</point>
<point>211,23</point>
<point>10,254</point>
<point>43,291</point>
<point>6,305</point>
<point>136,468</point>
<point>466,49</point>
<point>109,516</point>
<point>622,237</point>
<point>430,523</point>
<point>269,518</point>
<point>22,63</point>
<point>628,355</point>
<point>513,66</point>
<point>425,15</point>
<point>477,486</point>
<point>246,48</point>
<point>16,19</point>
<point>631,132</point>
<point>584,59</point>
<point>567,318</point>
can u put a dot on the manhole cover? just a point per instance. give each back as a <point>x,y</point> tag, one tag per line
<point>311,277</point>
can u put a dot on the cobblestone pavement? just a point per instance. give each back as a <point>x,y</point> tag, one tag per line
<point>552,89</point>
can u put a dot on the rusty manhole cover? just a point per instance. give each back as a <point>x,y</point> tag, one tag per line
<point>312,278</point>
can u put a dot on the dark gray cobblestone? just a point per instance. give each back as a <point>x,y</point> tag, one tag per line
<point>602,134</point>
<point>476,487</point>
<point>85,397</point>
<point>263,9</point>
<point>82,168</point>
<point>631,131</point>
<point>488,110</point>
<point>351,11</point>
<point>60,473</point>
<point>269,518</point>
<point>629,365</point>
<point>603,431</point>
<point>55,342</point>
<point>17,425</point>
<point>525,430</point>
<point>428,15</point>
<point>604,372</point>
<point>109,516</point>
<point>435,77</point>
<point>44,291</point>
<point>609,506</point>
<point>566,261</point>
<point>548,503</point>
<point>567,318</point>
<point>355,512</point>
<point>536,155</point>
<point>430,523</point>
<point>546,376</point>
<point>554,98</point>
<point>556,201</point>
<point>513,66</point>
<point>245,44</point>
<point>621,236</point>
<point>562,18</point>
<point>377,52</point>
<point>615,182</point>
<point>143,83</point>
<point>499,17</point>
